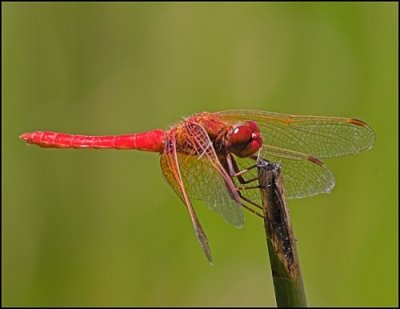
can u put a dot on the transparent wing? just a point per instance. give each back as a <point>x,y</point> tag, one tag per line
<point>203,175</point>
<point>203,183</point>
<point>171,172</point>
<point>297,141</point>
<point>321,137</point>
<point>303,175</point>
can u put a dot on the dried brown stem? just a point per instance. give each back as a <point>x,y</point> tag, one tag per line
<point>286,274</point>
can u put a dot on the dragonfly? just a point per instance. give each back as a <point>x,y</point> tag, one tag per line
<point>212,157</point>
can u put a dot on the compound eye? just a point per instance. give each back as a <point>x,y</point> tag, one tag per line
<point>240,135</point>
<point>245,139</point>
<point>252,125</point>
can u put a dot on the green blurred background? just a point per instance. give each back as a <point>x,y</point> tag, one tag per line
<point>102,228</point>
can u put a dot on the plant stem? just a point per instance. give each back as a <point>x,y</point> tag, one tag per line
<point>285,266</point>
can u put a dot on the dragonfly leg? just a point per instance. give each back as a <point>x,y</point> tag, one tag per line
<point>249,187</point>
<point>252,210</point>
<point>255,211</point>
<point>237,173</point>
<point>234,171</point>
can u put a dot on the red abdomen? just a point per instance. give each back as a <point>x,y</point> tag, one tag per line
<point>147,141</point>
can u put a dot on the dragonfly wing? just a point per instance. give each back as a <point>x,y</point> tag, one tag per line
<point>212,191</point>
<point>304,175</point>
<point>171,171</point>
<point>321,137</point>
<point>203,175</point>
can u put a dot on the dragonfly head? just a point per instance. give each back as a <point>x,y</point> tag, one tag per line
<point>244,140</point>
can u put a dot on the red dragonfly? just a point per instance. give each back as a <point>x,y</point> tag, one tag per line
<point>208,156</point>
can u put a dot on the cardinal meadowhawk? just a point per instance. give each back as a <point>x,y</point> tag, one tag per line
<point>209,156</point>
